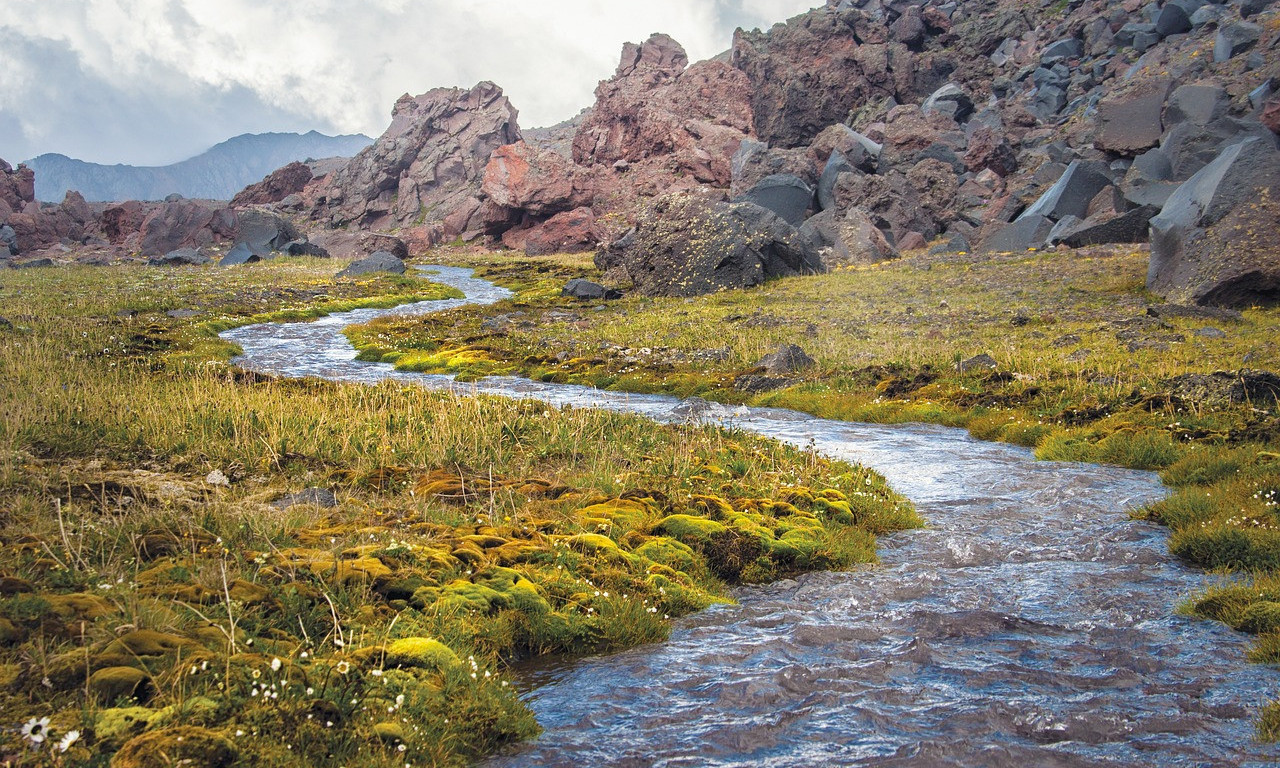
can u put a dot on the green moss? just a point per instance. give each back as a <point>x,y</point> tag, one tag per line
<point>689,529</point>
<point>669,552</point>
<point>113,683</point>
<point>182,745</point>
<point>118,724</point>
<point>421,652</point>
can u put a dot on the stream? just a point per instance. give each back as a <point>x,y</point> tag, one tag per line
<point>1031,624</point>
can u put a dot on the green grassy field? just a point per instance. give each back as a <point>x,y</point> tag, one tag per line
<point>1080,370</point>
<point>161,599</point>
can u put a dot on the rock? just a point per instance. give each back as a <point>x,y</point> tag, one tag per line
<point>755,161</point>
<point>1129,120</point>
<point>1223,388</point>
<point>813,71</point>
<point>1129,227</point>
<point>836,165</point>
<point>262,231</point>
<point>278,185</point>
<point>379,261</point>
<point>859,151</point>
<point>1215,241</point>
<point>317,497</point>
<point>755,384</point>
<point>685,245</point>
<point>179,224</point>
<point>35,263</point>
<point>118,222</point>
<point>350,246</point>
<point>17,187</point>
<point>851,239</point>
<point>977,363</point>
<point>430,160</point>
<point>184,314</point>
<point>788,359</point>
<point>239,254</point>
<point>1271,114</point>
<point>1234,39</point>
<point>1252,7</point>
<point>1172,20</point>
<point>1072,192</point>
<point>586,290</point>
<point>1191,147</point>
<point>654,110</point>
<point>9,240</point>
<point>304,248</point>
<point>951,101</point>
<point>183,745</point>
<point>5,324</point>
<point>1024,233</point>
<point>988,149</point>
<point>182,256</point>
<point>894,200</point>
<point>569,232</point>
<point>539,182</point>
<point>1197,103</point>
<point>784,194</point>
<point>1069,48</point>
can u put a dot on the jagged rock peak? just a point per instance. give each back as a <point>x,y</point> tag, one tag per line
<point>660,53</point>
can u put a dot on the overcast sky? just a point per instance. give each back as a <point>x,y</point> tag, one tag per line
<point>150,82</point>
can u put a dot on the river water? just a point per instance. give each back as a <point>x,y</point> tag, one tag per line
<point>1031,624</point>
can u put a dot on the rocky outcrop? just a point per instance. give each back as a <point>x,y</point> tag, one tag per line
<point>17,188</point>
<point>279,184</point>
<point>539,182</point>
<point>687,245</point>
<point>653,107</point>
<point>1215,241</point>
<point>428,162</point>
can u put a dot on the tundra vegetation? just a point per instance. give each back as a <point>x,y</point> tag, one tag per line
<point>1082,364</point>
<point>202,564</point>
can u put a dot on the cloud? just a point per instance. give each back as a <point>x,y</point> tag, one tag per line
<point>152,81</point>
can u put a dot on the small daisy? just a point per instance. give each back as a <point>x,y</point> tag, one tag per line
<point>36,731</point>
<point>69,738</point>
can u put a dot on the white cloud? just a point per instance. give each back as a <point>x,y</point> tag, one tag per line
<point>332,65</point>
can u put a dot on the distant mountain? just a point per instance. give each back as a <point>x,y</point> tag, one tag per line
<point>217,174</point>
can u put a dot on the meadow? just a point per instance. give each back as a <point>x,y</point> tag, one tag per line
<point>199,563</point>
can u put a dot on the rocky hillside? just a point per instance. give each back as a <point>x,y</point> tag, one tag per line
<point>849,134</point>
<point>216,174</point>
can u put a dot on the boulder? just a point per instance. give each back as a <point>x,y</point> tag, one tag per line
<point>836,165</point>
<point>17,186</point>
<point>1172,20</point>
<point>278,185</point>
<point>788,359</point>
<point>1271,114</point>
<point>429,160</point>
<point>539,182</point>
<point>569,232</point>
<point>586,290</point>
<point>1199,103</point>
<point>1128,227</point>
<point>784,194</point>
<point>350,246</point>
<point>8,241</point>
<point>262,231</point>
<point>379,261</point>
<point>1024,233</point>
<point>318,497</point>
<point>1129,120</point>
<point>118,222</point>
<point>849,239</point>
<point>859,151</point>
<point>304,248</point>
<point>755,161</point>
<point>1234,39</point>
<point>1215,241</point>
<point>951,101</point>
<point>1068,48</point>
<point>989,149</point>
<point>1072,192</point>
<point>240,254</point>
<point>180,257</point>
<point>686,245</point>
<point>180,224</point>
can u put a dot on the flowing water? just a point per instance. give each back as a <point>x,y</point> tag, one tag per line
<point>1031,624</point>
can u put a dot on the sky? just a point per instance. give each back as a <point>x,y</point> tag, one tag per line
<point>151,82</point>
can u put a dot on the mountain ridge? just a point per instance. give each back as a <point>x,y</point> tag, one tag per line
<point>217,173</point>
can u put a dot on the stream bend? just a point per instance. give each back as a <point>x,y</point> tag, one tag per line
<point>1032,624</point>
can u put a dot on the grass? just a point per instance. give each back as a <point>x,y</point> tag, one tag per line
<point>160,598</point>
<point>1083,372</point>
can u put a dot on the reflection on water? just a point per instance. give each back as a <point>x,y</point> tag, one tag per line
<point>1030,625</point>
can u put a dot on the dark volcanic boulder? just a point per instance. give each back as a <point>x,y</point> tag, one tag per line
<point>350,246</point>
<point>279,184</point>
<point>1216,240</point>
<point>586,290</point>
<point>180,257</point>
<point>1072,192</point>
<point>1129,120</point>
<point>851,239</point>
<point>240,254</point>
<point>381,261</point>
<point>685,245</point>
<point>784,194</point>
<point>264,232</point>
<point>8,241</point>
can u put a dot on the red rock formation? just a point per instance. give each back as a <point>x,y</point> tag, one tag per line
<point>540,182</point>
<point>279,184</point>
<point>427,163</point>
